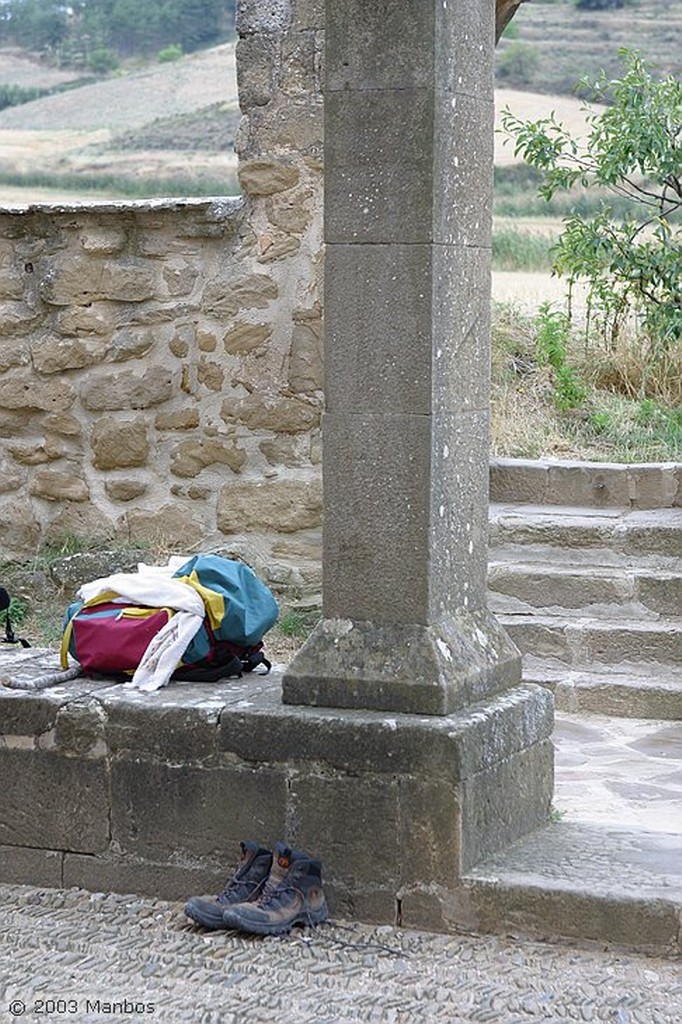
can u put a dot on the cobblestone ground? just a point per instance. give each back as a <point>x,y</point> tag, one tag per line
<point>77,956</point>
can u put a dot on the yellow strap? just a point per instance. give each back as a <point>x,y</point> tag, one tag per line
<point>213,601</point>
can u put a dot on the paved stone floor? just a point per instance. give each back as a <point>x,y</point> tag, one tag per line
<point>619,771</point>
<point>95,957</point>
<point>77,956</point>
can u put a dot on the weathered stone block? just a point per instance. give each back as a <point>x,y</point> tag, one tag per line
<point>54,355</point>
<point>24,392</point>
<point>267,177</point>
<point>293,128</point>
<point>368,455</point>
<point>127,390</point>
<point>588,484</point>
<point>91,319</point>
<point>308,14</point>
<point>180,278</point>
<point>64,423</point>
<point>206,340</point>
<point>59,485</point>
<point>202,812</point>
<point>15,318</point>
<point>36,453</point>
<point>225,296</point>
<point>281,414</point>
<point>290,451</point>
<point>382,46</point>
<point>11,477</point>
<point>402,666</point>
<point>125,489</point>
<point>257,58</point>
<point>21,530</point>
<point>79,728</point>
<point>13,353</point>
<point>78,520</point>
<point>103,241</point>
<point>118,444</point>
<point>111,873</point>
<point>290,213</point>
<point>506,801</point>
<point>306,368</point>
<point>463,134</point>
<point>244,337</point>
<point>377,348</point>
<point>211,375</point>
<point>190,457</point>
<point>53,802</point>
<point>256,16</point>
<point>430,830</point>
<point>129,344</point>
<point>281,505</point>
<point>181,419</point>
<point>171,524</point>
<point>370,196</point>
<point>522,480</point>
<point>336,814</point>
<point>663,594</point>
<point>77,280</point>
<point>22,865</point>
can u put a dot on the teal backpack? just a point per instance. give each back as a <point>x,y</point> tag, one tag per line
<point>110,638</point>
<point>240,609</point>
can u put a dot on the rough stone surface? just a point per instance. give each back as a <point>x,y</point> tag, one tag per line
<point>231,758</point>
<point>149,954</point>
<point>282,505</point>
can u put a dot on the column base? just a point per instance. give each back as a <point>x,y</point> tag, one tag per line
<point>414,668</point>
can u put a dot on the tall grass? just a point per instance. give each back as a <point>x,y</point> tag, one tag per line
<point>128,188</point>
<point>519,250</point>
<point>516,196</point>
<point>627,407</point>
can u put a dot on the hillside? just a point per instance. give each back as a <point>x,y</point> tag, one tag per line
<point>168,123</point>
<point>171,127</point>
<point>562,43</point>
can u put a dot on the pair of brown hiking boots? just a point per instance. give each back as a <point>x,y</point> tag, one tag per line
<point>269,892</point>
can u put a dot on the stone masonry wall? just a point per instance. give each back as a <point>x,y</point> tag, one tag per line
<point>161,362</point>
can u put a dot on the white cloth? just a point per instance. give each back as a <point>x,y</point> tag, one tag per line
<point>153,587</point>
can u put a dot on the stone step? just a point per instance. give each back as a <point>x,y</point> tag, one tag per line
<point>578,881</point>
<point>650,692</point>
<point>596,536</point>
<point>596,485</point>
<point>518,587</point>
<point>583,643</point>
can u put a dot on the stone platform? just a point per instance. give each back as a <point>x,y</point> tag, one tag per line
<point>109,789</point>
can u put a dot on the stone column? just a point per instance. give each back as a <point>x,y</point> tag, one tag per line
<point>408,201</point>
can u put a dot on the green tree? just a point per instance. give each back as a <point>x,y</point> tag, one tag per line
<point>633,267</point>
<point>35,24</point>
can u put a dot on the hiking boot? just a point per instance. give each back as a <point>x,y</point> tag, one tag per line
<point>292,895</point>
<point>246,884</point>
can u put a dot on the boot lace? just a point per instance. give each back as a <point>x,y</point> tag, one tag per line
<point>243,887</point>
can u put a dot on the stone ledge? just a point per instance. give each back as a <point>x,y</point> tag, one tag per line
<point>163,786</point>
<point>571,881</point>
<point>595,484</point>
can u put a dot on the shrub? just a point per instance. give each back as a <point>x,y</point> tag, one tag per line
<point>518,63</point>
<point>102,61</point>
<point>169,54</point>
<point>633,266</point>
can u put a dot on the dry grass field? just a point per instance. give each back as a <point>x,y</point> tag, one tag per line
<point>108,129</point>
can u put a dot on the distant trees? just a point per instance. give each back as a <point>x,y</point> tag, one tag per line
<point>73,31</point>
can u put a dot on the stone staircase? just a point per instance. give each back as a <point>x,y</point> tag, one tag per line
<point>586,576</point>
